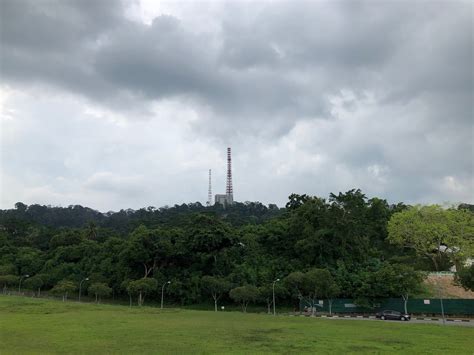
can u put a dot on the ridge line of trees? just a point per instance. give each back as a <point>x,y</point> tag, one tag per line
<point>346,246</point>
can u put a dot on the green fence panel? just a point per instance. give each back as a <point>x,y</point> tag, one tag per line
<point>419,306</point>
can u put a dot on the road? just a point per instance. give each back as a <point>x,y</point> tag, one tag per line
<point>456,322</point>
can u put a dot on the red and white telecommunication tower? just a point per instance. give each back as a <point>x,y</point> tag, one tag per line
<point>209,192</point>
<point>228,190</point>
<point>227,199</point>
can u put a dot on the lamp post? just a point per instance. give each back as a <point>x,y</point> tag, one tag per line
<point>274,311</point>
<point>80,287</point>
<point>162,292</point>
<point>21,279</point>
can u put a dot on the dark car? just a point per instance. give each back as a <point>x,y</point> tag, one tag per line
<point>394,315</point>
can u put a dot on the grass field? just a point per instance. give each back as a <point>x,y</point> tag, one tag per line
<point>41,326</point>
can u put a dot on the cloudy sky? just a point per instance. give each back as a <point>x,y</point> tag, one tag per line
<point>114,104</point>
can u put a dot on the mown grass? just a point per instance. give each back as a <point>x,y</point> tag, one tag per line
<point>42,326</point>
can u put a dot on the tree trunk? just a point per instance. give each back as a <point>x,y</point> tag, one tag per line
<point>435,263</point>
<point>330,307</point>
<point>39,291</point>
<point>405,301</point>
<point>269,311</point>
<point>130,295</point>
<point>96,298</point>
<point>312,308</point>
<point>140,298</point>
<point>438,286</point>
<point>215,305</point>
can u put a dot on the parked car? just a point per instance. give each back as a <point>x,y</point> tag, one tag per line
<point>394,315</point>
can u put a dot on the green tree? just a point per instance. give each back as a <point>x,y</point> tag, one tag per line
<point>142,249</point>
<point>434,232</point>
<point>7,280</point>
<point>28,260</point>
<point>326,286</point>
<point>35,283</point>
<point>99,289</point>
<point>465,277</point>
<point>403,281</point>
<point>66,237</point>
<point>216,287</point>
<point>296,201</point>
<point>244,295</point>
<point>266,293</point>
<point>295,283</point>
<point>207,240</point>
<point>64,288</point>
<point>141,288</point>
<point>314,282</point>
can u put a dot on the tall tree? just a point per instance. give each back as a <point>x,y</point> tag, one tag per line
<point>434,232</point>
<point>142,249</point>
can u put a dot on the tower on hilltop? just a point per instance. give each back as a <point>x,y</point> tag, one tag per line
<point>209,191</point>
<point>228,189</point>
<point>228,198</point>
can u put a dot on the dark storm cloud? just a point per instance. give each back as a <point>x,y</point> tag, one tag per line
<point>49,25</point>
<point>282,61</point>
<point>157,61</point>
<point>54,42</point>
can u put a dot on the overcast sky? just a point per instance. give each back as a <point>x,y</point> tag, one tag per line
<point>114,105</point>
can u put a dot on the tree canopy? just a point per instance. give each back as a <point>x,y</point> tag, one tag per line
<point>347,245</point>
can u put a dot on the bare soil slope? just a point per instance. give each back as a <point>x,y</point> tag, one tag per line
<point>448,288</point>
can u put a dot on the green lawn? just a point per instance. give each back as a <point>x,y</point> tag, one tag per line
<point>38,326</point>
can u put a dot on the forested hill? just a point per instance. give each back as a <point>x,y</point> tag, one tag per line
<point>343,238</point>
<point>124,221</point>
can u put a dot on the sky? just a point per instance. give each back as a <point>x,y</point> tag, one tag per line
<point>127,104</point>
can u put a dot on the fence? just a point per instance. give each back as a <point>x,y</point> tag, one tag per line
<point>418,306</point>
<point>442,273</point>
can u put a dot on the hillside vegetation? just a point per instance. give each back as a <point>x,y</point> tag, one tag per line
<point>314,248</point>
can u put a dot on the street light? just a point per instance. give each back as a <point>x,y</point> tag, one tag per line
<point>274,311</point>
<point>162,292</point>
<point>21,279</point>
<point>80,287</point>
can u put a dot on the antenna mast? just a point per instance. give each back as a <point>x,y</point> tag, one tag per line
<point>229,190</point>
<point>209,192</point>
